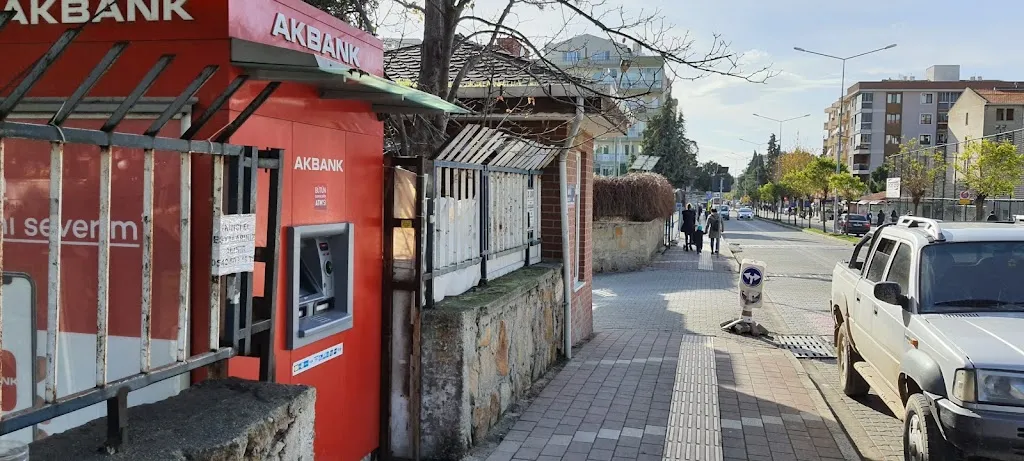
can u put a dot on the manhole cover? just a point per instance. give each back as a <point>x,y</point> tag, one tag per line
<point>806,346</point>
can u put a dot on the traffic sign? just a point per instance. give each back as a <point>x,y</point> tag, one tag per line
<point>752,277</point>
<point>966,197</point>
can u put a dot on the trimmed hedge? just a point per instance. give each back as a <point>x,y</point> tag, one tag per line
<point>640,197</point>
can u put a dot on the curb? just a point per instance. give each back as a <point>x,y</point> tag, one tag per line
<point>803,229</point>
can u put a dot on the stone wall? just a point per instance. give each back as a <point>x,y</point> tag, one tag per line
<point>223,420</point>
<point>622,246</point>
<point>481,352</point>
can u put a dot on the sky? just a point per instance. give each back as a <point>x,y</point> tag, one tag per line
<point>719,110</point>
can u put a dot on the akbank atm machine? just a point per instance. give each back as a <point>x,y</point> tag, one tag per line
<point>320,290</point>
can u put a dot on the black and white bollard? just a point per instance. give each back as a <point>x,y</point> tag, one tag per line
<point>751,288</point>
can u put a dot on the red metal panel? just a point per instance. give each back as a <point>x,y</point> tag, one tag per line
<point>294,119</point>
<point>126,19</point>
<point>254,20</point>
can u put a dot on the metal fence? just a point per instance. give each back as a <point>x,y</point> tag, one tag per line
<point>247,323</point>
<point>943,199</point>
<point>484,209</point>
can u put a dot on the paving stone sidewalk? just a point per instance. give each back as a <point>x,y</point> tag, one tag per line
<point>660,381</point>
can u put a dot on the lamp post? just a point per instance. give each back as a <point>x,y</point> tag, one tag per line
<point>780,122</point>
<point>842,104</point>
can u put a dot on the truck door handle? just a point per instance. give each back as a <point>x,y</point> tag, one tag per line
<point>858,298</point>
<point>876,310</point>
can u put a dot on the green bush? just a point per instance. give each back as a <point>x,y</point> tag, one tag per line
<point>639,197</point>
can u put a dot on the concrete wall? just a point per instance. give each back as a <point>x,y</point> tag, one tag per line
<point>481,352</point>
<point>626,246</point>
<point>224,420</point>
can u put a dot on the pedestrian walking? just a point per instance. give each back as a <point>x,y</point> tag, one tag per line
<point>698,237</point>
<point>893,215</point>
<point>688,226</point>
<point>715,228</point>
<point>881,217</point>
<point>992,216</point>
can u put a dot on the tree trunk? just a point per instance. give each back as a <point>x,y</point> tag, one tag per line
<point>916,200</point>
<point>979,207</point>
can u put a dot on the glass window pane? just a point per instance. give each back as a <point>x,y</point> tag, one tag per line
<point>899,272</point>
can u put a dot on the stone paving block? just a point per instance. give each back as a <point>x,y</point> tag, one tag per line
<point>608,444</point>
<point>605,433</point>
<point>500,456</point>
<point>554,450</point>
<point>570,456</point>
<point>601,455</point>
<point>580,447</point>
<point>537,442</point>
<point>584,436</point>
<point>563,440</point>
<point>527,453</point>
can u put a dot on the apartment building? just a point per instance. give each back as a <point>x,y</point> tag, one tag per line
<point>628,70</point>
<point>878,116</point>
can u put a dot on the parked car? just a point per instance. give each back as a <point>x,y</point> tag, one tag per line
<point>724,211</point>
<point>930,315</point>
<point>854,224</point>
<point>745,213</point>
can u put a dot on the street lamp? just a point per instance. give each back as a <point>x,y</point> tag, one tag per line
<point>842,104</point>
<point>780,122</point>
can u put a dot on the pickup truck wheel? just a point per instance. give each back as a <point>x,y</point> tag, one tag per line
<point>922,440</point>
<point>852,383</point>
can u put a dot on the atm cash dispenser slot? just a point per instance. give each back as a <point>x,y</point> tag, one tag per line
<point>320,291</point>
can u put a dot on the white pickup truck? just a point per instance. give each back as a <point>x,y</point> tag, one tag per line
<point>931,316</point>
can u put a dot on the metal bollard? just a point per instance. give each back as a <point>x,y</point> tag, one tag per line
<point>751,289</point>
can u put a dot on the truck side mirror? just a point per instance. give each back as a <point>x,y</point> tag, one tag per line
<point>857,265</point>
<point>891,293</point>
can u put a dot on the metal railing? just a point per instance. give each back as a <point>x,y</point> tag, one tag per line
<point>484,204</point>
<point>247,328</point>
<point>942,199</point>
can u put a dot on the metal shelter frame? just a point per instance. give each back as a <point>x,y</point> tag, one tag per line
<point>248,321</point>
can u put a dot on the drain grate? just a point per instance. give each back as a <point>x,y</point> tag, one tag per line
<point>807,346</point>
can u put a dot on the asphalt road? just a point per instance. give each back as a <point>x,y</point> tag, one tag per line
<point>799,266</point>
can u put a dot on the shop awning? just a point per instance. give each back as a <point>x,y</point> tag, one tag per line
<point>335,80</point>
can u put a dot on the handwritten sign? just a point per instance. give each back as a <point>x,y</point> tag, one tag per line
<point>234,244</point>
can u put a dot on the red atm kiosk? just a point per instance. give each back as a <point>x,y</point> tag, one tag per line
<point>324,116</point>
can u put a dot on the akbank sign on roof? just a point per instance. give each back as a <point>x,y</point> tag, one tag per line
<point>83,11</point>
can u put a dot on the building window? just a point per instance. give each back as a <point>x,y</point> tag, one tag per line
<point>943,117</point>
<point>948,96</point>
<point>1004,114</point>
<point>626,149</point>
<point>571,56</point>
<point>967,118</point>
<point>925,139</point>
<point>927,98</point>
<point>865,139</point>
<point>926,119</point>
<point>894,98</point>
<point>603,149</point>
<point>865,120</point>
<point>601,56</point>
<point>941,138</point>
<point>892,139</point>
<point>866,100</point>
<point>893,118</point>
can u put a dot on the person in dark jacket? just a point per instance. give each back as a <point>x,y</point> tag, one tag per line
<point>689,221</point>
<point>893,215</point>
<point>992,216</point>
<point>881,217</point>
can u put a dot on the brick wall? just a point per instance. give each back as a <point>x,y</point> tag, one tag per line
<point>551,231</point>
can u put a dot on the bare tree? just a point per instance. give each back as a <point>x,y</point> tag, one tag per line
<point>444,19</point>
<point>355,12</point>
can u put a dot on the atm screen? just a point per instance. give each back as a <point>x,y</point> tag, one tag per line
<point>306,286</point>
<point>310,278</point>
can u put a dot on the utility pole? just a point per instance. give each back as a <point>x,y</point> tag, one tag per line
<point>842,104</point>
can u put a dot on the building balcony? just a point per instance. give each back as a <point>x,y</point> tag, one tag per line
<point>861,168</point>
